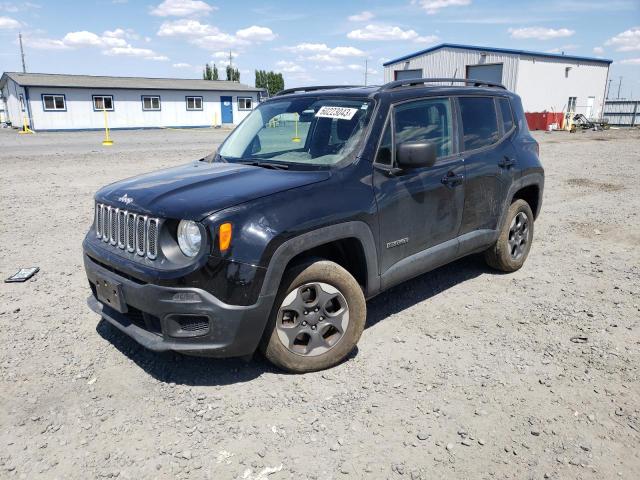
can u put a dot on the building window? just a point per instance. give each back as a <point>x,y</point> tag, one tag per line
<point>194,103</point>
<point>103,102</point>
<point>52,103</point>
<point>22,102</point>
<point>245,103</point>
<point>151,103</point>
<point>571,106</point>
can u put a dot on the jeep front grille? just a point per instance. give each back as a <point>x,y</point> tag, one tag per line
<point>127,230</point>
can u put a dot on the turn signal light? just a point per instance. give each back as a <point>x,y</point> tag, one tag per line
<point>224,236</point>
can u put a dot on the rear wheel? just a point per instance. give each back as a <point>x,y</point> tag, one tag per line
<point>511,249</point>
<point>317,319</point>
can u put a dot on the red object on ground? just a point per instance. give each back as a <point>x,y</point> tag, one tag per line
<point>542,120</point>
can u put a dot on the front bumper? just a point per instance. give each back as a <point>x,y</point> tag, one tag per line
<point>187,320</point>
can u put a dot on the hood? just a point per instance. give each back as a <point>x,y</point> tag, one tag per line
<point>194,191</point>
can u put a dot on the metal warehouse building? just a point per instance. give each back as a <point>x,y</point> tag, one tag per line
<point>546,82</point>
<point>69,102</point>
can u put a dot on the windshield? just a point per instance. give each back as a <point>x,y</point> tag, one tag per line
<point>306,130</point>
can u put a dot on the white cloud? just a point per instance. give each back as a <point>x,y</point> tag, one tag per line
<point>432,6</point>
<point>224,54</point>
<point>361,17</point>
<point>627,41</point>
<point>181,8</point>
<point>427,39</point>
<point>111,42</point>
<point>217,41</point>
<point>129,51</point>
<point>598,50</point>
<point>7,22</point>
<point>308,48</point>
<point>45,44</point>
<point>182,65</point>
<point>324,58</point>
<point>84,39</point>
<point>185,28</point>
<point>630,61</point>
<point>255,33</point>
<point>289,67</point>
<point>347,52</point>
<point>382,32</point>
<point>563,48</point>
<point>540,33</point>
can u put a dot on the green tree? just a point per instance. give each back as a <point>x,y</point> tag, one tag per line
<point>214,74</point>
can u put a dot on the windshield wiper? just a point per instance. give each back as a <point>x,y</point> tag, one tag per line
<point>274,166</point>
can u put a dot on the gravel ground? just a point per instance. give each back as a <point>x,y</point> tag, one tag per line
<point>461,373</point>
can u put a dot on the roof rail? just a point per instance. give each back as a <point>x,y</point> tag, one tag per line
<point>421,81</point>
<point>312,89</point>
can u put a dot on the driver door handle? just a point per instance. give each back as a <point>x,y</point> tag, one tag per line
<point>452,179</point>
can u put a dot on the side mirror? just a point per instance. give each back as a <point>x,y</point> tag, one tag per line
<point>416,154</point>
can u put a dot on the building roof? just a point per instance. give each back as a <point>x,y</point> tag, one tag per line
<point>498,50</point>
<point>140,83</point>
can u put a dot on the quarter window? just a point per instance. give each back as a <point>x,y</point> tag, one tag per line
<point>194,103</point>
<point>428,120</point>
<point>54,102</point>
<point>507,115</point>
<point>103,102</point>
<point>245,103</point>
<point>479,122</point>
<point>385,151</point>
<point>150,103</point>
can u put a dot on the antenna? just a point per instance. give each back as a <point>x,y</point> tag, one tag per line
<point>24,67</point>
<point>619,85</point>
<point>366,70</point>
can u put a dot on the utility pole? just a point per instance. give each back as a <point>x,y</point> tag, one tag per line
<point>609,88</point>
<point>366,70</point>
<point>619,85</point>
<point>24,67</point>
<point>230,63</point>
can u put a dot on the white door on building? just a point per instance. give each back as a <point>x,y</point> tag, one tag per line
<point>589,108</point>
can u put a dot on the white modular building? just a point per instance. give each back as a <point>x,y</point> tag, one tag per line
<point>79,102</point>
<point>546,82</point>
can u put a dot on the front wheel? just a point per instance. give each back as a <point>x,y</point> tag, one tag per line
<point>317,319</point>
<point>511,249</point>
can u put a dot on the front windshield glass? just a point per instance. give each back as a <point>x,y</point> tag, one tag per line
<point>303,130</point>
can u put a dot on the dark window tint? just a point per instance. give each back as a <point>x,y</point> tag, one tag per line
<point>479,123</point>
<point>507,116</point>
<point>425,120</point>
<point>384,155</point>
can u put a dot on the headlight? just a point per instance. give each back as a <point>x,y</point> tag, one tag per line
<point>189,238</point>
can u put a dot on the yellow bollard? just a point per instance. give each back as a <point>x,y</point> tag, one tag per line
<point>296,138</point>
<point>25,126</point>
<point>107,139</point>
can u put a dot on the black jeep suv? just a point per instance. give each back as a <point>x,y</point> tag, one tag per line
<point>320,199</point>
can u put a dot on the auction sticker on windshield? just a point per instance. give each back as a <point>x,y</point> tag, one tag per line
<point>341,113</point>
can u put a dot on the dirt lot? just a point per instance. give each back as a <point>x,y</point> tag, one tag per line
<point>461,373</point>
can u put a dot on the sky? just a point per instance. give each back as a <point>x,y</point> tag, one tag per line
<point>310,42</point>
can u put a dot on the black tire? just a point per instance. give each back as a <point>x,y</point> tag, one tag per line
<point>317,273</point>
<point>501,255</point>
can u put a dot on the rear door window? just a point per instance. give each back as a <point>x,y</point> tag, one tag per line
<point>479,122</point>
<point>506,113</point>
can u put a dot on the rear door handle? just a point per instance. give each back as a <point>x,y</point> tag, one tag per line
<point>507,162</point>
<point>451,179</point>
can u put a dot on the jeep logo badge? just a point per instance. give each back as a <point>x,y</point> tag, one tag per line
<point>125,199</point>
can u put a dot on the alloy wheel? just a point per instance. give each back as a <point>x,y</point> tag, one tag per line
<point>312,319</point>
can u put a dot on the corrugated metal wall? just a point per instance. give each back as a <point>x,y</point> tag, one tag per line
<point>452,62</point>
<point>622,112</point>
